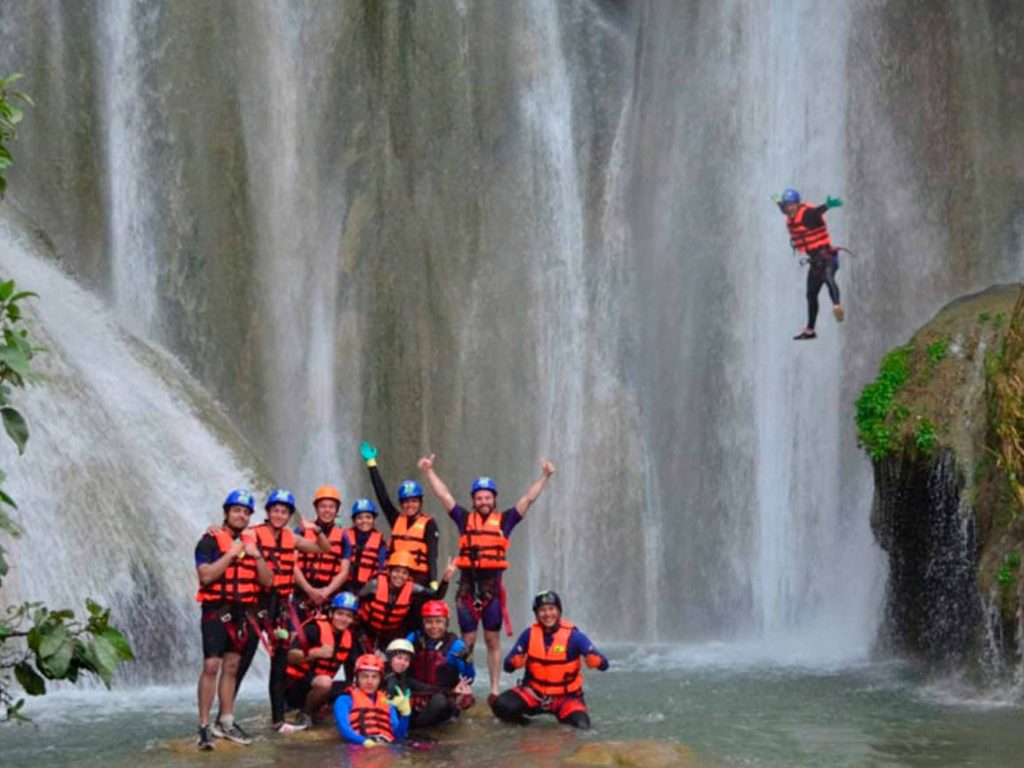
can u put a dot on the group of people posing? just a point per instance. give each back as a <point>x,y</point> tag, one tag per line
<point>357,621</point>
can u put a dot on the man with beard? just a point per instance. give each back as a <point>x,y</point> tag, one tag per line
<point>483,544</point>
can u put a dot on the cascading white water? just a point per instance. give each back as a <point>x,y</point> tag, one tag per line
<point>116,483</point>
<point>496,230</point>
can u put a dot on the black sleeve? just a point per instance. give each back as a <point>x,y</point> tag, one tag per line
<point>369,588</point>
<point>432,536</point>
<point>381,491</point>
<point>422,594</point>
<point>207,551</point>
<point>312,635</point>
<point>816,216</point>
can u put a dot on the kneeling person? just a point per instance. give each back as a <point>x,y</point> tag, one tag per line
<point>441,669</point>
<point>552,652</point>
<point>319,650</point>
<point>363,713</point>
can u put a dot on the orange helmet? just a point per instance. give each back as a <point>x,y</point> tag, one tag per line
<point>327,492</point>
<point>402,560</point>
<point>370,662</point>
<point>435,608</point>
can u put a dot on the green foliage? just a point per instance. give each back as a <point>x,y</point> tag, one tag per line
<point>938,350</point>
<point>876,414</point>
<point>925,436</point>
<point>1006,576</point>
<point>10,115</point>
<point>984,317</point>
<point>40,644</point>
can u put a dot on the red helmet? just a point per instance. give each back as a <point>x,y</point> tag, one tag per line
<point>370,662</point>
<point>435,608</point>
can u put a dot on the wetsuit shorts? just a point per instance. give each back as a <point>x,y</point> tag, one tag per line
<point>488,610</point>
<point>225,630</point>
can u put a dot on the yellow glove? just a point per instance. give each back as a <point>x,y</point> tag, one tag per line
<point>373,743</point>
<point>434,585</point>
<point>400,701</point>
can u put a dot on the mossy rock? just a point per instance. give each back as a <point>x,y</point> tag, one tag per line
<point>634,754</point>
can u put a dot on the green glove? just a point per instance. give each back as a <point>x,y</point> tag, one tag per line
<point>400,701</point>
<point>281,633</point>
<point>833,202</point>
<point>777,199</point>
<point>369,454</point>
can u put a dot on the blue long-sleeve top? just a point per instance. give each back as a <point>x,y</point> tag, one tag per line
<point>455,654</point>
<point>579,645</point>
<point>343,710</point>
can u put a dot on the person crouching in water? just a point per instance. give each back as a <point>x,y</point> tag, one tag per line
<point>441,668</point>
<point>364,715</point>
<point>552,651</point>
<point>319,650</point>
<point>390,601</point>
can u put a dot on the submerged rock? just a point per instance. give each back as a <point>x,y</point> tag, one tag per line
<point>940,424</point>
<point>634,754</point>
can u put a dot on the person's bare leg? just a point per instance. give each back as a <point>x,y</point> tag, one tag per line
<point>492,638</point>
<point>207,689</point>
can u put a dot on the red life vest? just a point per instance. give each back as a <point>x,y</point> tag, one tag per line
<point>279,552</point>
<point>411,537</point>
<point>370,717</point>
<point>320,567</point>
<point>365,557</point>
<point>385,611</point>
<point>426,662</point>
<point>483,544</point>
<point>328,637</point>
<point>239,582</point>
<point>548,670</point>
<point>804,238</point>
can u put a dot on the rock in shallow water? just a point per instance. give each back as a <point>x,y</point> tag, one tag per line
<point>634,754</point>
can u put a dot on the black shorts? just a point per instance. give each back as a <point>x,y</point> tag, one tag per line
<point>295,691</point>
<point>225,630</point>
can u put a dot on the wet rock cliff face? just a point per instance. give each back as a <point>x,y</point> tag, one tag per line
<point>942,426</point>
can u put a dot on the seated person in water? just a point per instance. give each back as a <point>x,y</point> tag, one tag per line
<point>552,651</point>
<point>442,668</point>
<point>364,714</point>
<point>320,650</point>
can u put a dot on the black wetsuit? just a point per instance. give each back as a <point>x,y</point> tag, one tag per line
<point>822,267</point>
<point>392,513</point>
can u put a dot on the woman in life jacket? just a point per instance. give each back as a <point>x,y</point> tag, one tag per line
<point>364,715</point>
<point>321,653</point>
<point>365,547</point>
<point>808,234</point>
<point>551,652</point>
<point>412,530</point>
<point>442,668</point>
<point>390,604</point>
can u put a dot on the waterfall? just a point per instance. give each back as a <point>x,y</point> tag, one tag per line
<point>117,482</point>
<point>505,230</point>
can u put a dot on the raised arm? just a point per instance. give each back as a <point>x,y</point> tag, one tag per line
<point>369,456</point>
<point>426,465</point>
<point>547,469</point>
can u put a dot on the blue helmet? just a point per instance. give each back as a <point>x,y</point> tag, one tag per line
<point>280,496</point>
<point>484,484</point>
<point>241,497</point>
<point>345,601</point>
<point>363,505</point>
<point>790,196</point>
<point>409,489</point>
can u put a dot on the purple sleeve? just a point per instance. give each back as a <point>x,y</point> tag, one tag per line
<point>509,520</point>
<point>581,646</point>
<point>458,515</point>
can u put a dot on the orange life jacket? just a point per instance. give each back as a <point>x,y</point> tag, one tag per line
<point>320,567</point>
<point>411,538</point>
<point>386,611</point>
<point>365,557</point>
<point>548,671</point>
<point>279,552</point>
<point>328,637</point>
<point>483,544</point>
<point>238,583</point>
<point>370,717</point>
<point>804,238</point>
